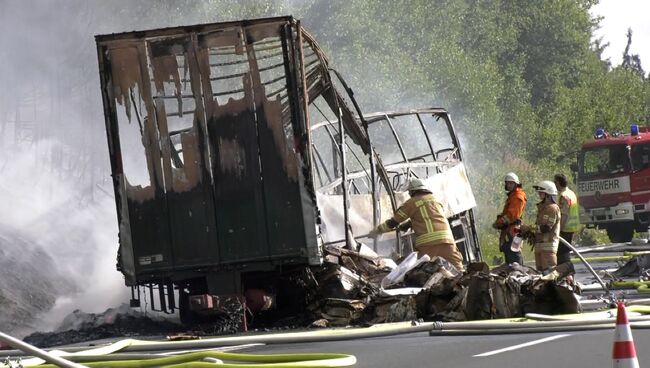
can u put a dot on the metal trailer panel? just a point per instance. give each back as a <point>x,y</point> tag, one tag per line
<point>230,186</point>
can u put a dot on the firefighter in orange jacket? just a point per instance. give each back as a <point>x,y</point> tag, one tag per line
<point>425,215</point>
<point>509,219</point>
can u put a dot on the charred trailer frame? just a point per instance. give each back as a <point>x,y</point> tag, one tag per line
<point>213,160</point>
<point>418,143</point>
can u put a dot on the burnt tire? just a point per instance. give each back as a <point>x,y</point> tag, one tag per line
<point>621,232</point>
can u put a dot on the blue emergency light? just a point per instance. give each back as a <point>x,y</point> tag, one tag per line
<point>634,129</point>
<point>600,133</point>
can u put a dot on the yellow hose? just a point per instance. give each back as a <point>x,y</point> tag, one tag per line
<point>258,360</point>
<point>195,359</point>
<point>588,259</point>
<point>604,258</point>
<point>632,310</point>
<point>99,357</point>
<point>641,287</point>
<point>628,253</point>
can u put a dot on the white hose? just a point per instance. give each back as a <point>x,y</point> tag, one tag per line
<point>600,281</point>
<point>32,350</point>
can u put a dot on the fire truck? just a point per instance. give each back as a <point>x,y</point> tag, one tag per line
<point>613,180</point>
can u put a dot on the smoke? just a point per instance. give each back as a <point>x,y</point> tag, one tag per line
<point>55,187</point>
<point>80,235</point>
<point>53,153</point>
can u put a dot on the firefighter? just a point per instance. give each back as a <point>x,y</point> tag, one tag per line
<point>425,215</point>
<point>547,227</point>
<point>570,220</point>
<point>509,220</point>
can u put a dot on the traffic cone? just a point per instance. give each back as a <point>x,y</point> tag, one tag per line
<point>624,354</point>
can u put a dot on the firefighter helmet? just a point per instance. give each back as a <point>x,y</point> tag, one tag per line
<point>416,184</point>
<point>512,177</point>
<point>547,187</point>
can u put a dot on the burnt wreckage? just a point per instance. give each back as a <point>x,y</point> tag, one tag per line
<point>238,155</point>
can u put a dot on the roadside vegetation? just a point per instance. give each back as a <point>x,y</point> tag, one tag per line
<point>525,83</point>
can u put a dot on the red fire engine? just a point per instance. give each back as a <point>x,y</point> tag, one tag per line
<point>613,179</point>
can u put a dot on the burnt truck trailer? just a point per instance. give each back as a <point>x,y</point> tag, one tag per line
<point>237,153</point>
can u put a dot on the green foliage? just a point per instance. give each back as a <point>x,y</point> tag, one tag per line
<point>589,237</point>
<point>524,82</point>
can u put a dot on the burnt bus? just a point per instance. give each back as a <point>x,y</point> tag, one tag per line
<point>237,153</point>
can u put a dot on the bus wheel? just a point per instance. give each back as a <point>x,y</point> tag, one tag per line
<point>620,232</point>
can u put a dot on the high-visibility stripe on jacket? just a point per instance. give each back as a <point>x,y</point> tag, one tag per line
<point>570,212</point>
<point>547,214</point>
<point>512,211</point>
<point>427,220</point>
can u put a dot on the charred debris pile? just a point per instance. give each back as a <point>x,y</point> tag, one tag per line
<point>124,321</point>
<point>353,287</point>
<point>359,287</point>
<point>114,322</point>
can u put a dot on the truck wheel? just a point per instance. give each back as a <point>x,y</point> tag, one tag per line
<point>620,232</point>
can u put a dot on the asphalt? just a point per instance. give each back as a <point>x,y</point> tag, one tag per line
<point>566,349</point>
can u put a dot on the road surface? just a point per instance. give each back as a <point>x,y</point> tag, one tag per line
<point>539,350</point>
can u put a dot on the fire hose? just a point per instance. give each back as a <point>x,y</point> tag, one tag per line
<point>584,261</point>
<point>102,357</point>
<point>17,344</point>
<point>209,358</point>
<point>642,287</point>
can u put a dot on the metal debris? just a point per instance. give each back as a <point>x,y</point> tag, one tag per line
<point>348,290</point>
<point>635,267</point>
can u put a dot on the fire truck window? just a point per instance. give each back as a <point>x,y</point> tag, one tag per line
<point>605,160</point>
<point>617,159</point>
<point>641,156</point>
<point>593,161</point>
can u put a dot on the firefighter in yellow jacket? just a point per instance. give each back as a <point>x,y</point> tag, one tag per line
<point>570,222</point>
<point>433,234</point>
<point>547,227</point>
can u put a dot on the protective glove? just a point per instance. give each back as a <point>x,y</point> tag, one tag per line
<point>404,226</point>
<point>526,231</point>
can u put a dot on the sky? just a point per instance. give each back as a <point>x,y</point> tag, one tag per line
<point>619,15</point>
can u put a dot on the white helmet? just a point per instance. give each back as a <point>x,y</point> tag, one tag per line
<point>416,184</point>
<point>512,177</point>
<point>547,187</point>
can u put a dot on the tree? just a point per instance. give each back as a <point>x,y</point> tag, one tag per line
<point>631,62</point>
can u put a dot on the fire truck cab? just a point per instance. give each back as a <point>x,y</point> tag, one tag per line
<point>613,180</point>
